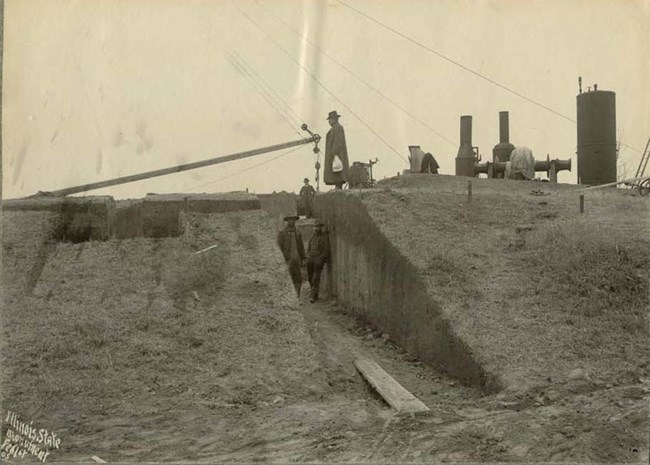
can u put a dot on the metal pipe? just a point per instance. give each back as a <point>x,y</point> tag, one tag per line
<point>185,167</point>
<point>491,169</point>
<point>545,165</point>
<point>552,167</point>
<point>497,169</point>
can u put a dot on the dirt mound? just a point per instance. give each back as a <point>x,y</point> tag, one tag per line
<point>534,289</point>
<point>140,350</point>
<point>132,328</point>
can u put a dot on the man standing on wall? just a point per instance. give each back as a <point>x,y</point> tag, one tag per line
<point>307,194</point>
<point>318,253</point>
<point>290,242</point>
<point>336,153</point>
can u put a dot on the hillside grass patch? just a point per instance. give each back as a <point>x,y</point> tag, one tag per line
<point>596,275</point>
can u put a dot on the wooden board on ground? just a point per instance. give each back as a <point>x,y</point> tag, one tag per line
<point>392,392</point>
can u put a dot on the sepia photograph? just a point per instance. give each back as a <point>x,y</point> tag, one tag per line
<point>325,231</point>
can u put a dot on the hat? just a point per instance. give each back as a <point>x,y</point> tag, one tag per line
<point>307,179</point>
<point>333,114</point>
<point>291,217</point>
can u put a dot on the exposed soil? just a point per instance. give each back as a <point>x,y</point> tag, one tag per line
<point>139,350</point>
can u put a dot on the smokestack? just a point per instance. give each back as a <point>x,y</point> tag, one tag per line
<point>501,152</point>
<point>504,127</point>
<point>465,131</point>
<point>465,160</point>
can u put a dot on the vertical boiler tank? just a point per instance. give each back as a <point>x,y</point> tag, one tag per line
<point>596,137</point>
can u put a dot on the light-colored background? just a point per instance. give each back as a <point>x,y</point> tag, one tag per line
<point>94,90</point>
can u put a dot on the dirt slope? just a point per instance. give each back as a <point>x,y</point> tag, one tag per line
<point>27,238</point>
<point>116,332</point>
<point>535,289</point>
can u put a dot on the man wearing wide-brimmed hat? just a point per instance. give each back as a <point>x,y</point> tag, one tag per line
<point>336,153</point>
<point>318,253</point>
<point>290,242</point>
<point>307,194</point>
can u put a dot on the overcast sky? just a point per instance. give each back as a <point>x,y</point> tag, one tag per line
<point>98,89</point>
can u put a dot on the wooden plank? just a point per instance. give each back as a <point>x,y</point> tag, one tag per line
<point>392,392</point>
<point>206,249</point>
<point>97,459</point>
<point>611,184</point>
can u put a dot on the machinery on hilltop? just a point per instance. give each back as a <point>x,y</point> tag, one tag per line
<point>361,175</point>
<point>468,158</point>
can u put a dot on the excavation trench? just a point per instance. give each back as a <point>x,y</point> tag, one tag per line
<point>376,283</point>
<point>368,275</point>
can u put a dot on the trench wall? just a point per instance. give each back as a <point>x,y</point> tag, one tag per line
<point>371,278</point>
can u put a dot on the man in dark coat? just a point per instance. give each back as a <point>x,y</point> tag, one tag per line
<point>290,242</point>
<point>318,253</point>
<point>335,145</point>
<point>307,194</point>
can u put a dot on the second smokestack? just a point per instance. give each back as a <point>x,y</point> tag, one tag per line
<point>501,152</point>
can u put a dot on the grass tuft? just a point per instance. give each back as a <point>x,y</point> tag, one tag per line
<point>187,273</point>
<point>597,275</point>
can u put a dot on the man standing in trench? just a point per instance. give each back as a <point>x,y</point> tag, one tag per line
<point>336,153</point>
<point>318,253</point>
<point>290,242</point>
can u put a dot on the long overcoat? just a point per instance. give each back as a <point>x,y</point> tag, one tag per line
<point>285,236</point>
<point>335,145</point>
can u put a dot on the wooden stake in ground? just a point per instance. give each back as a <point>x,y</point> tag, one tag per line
<point>392,392</point>
<point>582,203</point>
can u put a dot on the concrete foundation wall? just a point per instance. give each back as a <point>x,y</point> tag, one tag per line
<point>79,218</point>
<point>128,219</point>
<point>371,278</point>
<point>160,213</point>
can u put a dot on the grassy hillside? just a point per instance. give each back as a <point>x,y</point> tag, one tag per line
<point>128,331</point>
<point>536,289</point>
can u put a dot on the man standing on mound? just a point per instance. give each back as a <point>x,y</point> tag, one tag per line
<point>336,153</point>
<point>307,194</point>
<point>290,242</point>
<point>318,253</point>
